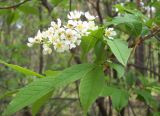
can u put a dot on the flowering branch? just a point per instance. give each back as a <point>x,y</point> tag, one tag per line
<point>65,37</point>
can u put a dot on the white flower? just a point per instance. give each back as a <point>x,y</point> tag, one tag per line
<point>89,16</point>
<point>53,38</point>
<point>74,15</point>
<point>110,33</point>
<point>78,42</point>
<point>71,24</point>
<point>82,27</point>
<point>56,25</point>
<point>64,37</point>
<point>29,44</point>
<point>31,40</point>
<point>92,25</point>
<point>39,37</point>
<point>49,32</point>
<point>71,36</point>
<point>72,46</point>
<point>46,49</point>
<point>60,46</point>
<point>60,31</point>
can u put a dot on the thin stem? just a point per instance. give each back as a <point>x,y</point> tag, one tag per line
<point>14,6</point>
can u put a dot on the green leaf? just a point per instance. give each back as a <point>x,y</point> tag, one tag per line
<point>119,97</point>
<point>91,86</point>
<point>60,3</point>
<point>12,17</point>
<point>120,50</point>
<point>119,68</point>
<point>21,69</point>
<point>155,89</point>
<point>130,78</point>
<point>28,9</point>
<point>122,9</point>
<point>56,2</point>
<point>146,96</point>
<point>128,23</point>
<point>127,18</point>
<point>100,51</point>
<point>41,87</point>
<point>88,42</point>
<point>156,113</point>
<point>143,80</point>
<point>38,104</point>
<point>107,91</point>
<point>50,73</point>
<point>8,93</point>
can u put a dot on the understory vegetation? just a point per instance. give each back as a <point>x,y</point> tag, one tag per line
<point>80,57</point>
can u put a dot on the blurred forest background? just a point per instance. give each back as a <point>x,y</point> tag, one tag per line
<point>20,19</point>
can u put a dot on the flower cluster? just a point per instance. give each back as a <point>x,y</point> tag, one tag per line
<point>65,37</point>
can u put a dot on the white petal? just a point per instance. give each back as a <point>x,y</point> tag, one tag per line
<point>78,42</point>
<point>72,46</point>
<point>29,44</point>
<point>53,23</point>
<point>110,38</point>
<point>31,39</point>
<point>114,33</point>
<point>59,22</point>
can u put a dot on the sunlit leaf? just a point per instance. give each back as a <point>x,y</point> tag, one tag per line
<point>41,87</point>
<point>120,50</point>
<point>21,69</point>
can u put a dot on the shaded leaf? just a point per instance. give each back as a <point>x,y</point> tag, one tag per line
<point>8,93</point>
<point>129,23</point>
<point>28,9</point>
<point>100,51</point>
<point>119,68</point>
<point>40,102</point>
<point>146,96</point>
<point>119,97</point>
<point>91,86</point>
